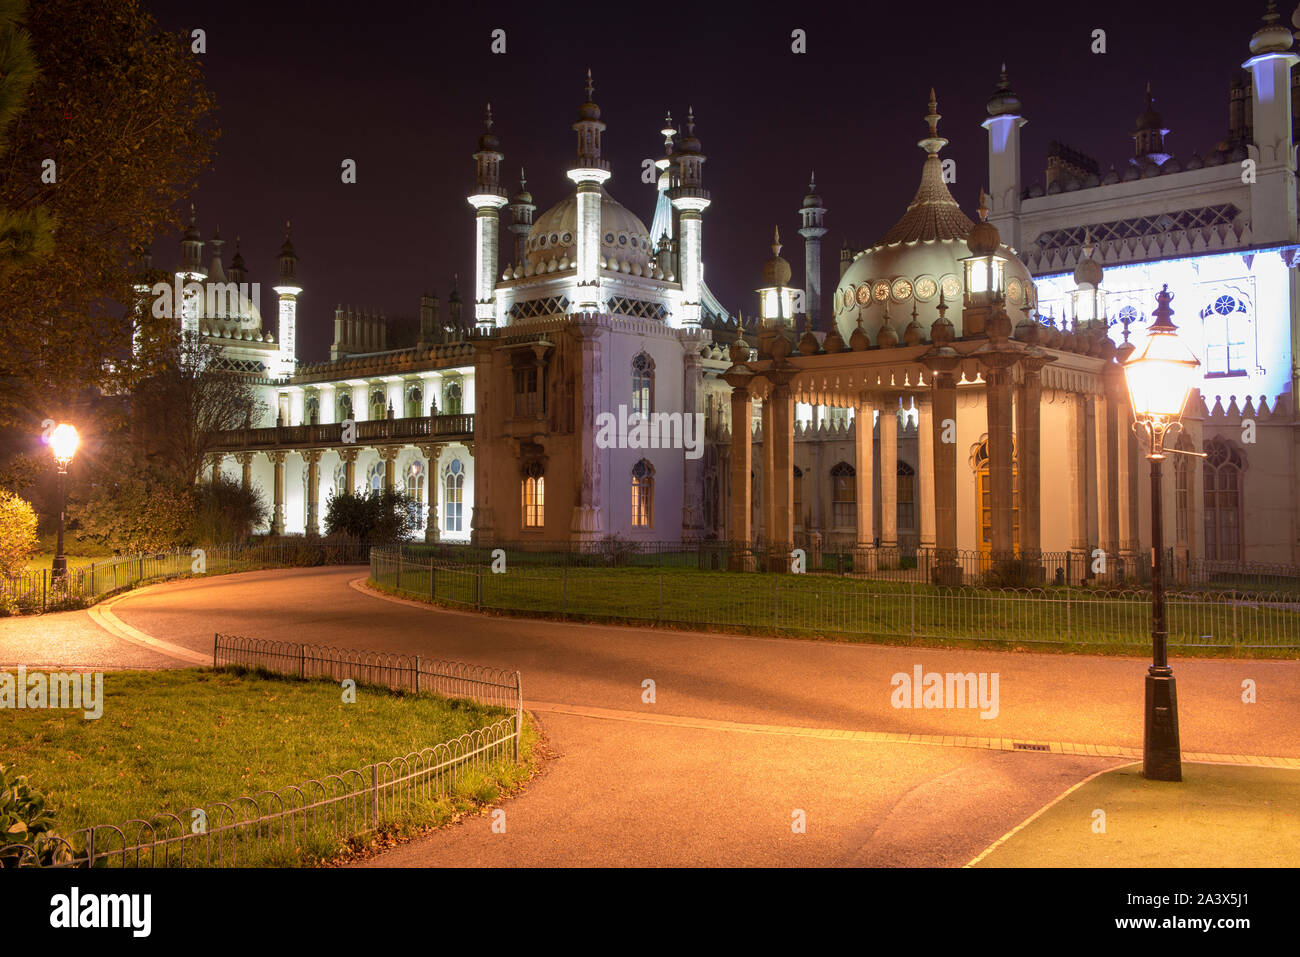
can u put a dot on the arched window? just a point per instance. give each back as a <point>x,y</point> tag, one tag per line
<point>341,479</point>
<point>906,497</point>
<point>312,410</point>
<point>451,398</point>
<point>345,406</point>
<point>798,495</point>
<point>1228,336</point>
<point>375,477</point>
<point>414,475</point>
<point>643,494</point>
<point>643,381</point>
<point>378,405</point>
<point>453,484</point>
<point>844,496</point>
<point>534,496</point>
<point>1223,500</point>
<point>414,402</point>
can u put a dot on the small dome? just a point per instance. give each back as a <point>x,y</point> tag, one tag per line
<point>776,271</point>
<point>554,234</point>
<point>1004,102</point>
<point>1088,272</point>
<point>812,200</point>
<point>1150,118</point>
<point>1272,37</point>
<point>983,239</point>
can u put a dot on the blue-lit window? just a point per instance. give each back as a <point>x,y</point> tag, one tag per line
<point>1227,336</point>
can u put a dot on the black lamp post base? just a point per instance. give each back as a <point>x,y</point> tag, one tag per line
<point>1161,755</point>
<point>60,566</point>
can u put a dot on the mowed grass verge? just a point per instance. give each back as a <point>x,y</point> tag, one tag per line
<point>1217,816</point>
<point>851,609</point>
<point>171,740</point>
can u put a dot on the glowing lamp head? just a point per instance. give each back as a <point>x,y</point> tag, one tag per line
<point>63,442</point>
<point>1162,374</point>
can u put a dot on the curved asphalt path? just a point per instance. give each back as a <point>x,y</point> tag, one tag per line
<point>628,788</point>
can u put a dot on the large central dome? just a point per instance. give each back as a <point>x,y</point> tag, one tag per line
<point>919,259</point>
<point>624,238</point>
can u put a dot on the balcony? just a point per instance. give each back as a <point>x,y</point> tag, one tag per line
<point>445,428</point>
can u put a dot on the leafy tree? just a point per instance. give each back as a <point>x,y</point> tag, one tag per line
<point>376,518</point>
<point>177,410</point>
<point>25,234</point>
<point>122,110</point>
<point>17,534</point>
<point>134,509</point>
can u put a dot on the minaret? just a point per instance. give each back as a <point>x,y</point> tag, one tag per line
<point>521,211</point>
<point>590,175</point>
<point>1149,137</point>
<point>453,304</point>
<point>662,224</point>
<point>238,271</point>
<point>429,331</point>
<point>192,250</point>
<point>288,290</point>
<point>690,199</point>
<point>1272,197</point>
<point>1004,125</point>
<point>488,198</point>
<point>191,275</point>
<point>813,215</point>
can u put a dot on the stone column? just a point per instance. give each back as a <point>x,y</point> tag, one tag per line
<point>277,485</point>
<point>889,474</point>
<point>214,462</point>
<point>349,457</point>
<point>692,402</point>
<point>943,363</point>
<point>781,442</point>
<point>245,460</point>
<point>587,521</point>
<point>487,424</point>
<point>431,454</point>
<point>388,454</point>
<point>1077,451</point>
<point>312,457</point>
<point>863,466</point>
<point>817,475</point>
<point>1029,439</point>
<point>997,397</point>
<point>741,464</point>
<point>1107,465</point>
<point>924,405</point>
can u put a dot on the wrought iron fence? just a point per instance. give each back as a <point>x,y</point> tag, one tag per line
<point>275,826</point>
<point>906,564</point>
<point>41,591</point>
<point>825,605</point>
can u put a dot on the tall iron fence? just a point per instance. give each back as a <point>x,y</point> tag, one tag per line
<point>822,605</point>
<point>905,564</point>
<point>276,826</point>
<point>40,591</point>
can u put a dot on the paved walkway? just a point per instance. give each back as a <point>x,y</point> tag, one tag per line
<point>743,732</point>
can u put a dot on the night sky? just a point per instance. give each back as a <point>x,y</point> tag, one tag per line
<point>400,88</point>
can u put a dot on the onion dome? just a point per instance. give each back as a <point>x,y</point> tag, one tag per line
<point>689,142</point>
<point>834,342</point>
<point>983,239</point>
<point>623,236</point>
<point>1150,118</point>
<point>1003,102</point>
<point>1088,272</point>
<point>808,344</point>
<point>776,271</point>
<point>1272,37</point>
<point>998,325</point>
<point>192,231</point>
<point>237,263</point>
<point>941,330</point>
<point>286,248</point>
<point>859,342</point>
<point>933,213</point>
<point>812,200</point>
<point>913,334</point>
<point>1029,331</point>
<point>488,141</point>
<point>886,337</point>
<point>522,197</point>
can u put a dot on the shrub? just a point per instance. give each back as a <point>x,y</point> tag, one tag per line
<point>376,518</point>
<point>225,511</point>
<point>26,820</point>
<point>18,540</point>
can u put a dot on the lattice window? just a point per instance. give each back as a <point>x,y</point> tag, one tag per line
<point>637,308</point>
<point>1160,224</point>
<point>540,308</point>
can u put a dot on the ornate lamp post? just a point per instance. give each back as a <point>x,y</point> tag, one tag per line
<point>1160,378</point>
<point>63,443</point>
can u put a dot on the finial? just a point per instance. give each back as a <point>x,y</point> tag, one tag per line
<point>943,303</point>
<point>487,119</point>
<point>690,121</point>
<point>288,229</point>
<point>192,216</point>
<point>812,182</point>
<point>933,117</point>
<point>776,240</point>
<point>523,180</point>
<point>591,87</point>
<point>984,205</point>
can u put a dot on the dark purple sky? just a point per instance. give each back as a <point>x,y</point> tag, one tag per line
<point>400,88</point>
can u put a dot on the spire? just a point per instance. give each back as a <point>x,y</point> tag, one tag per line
<point>589,127</point>
<point>933,213</point>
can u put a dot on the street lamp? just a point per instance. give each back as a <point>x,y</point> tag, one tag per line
<point>1160,379</point>
<point>63,443</point>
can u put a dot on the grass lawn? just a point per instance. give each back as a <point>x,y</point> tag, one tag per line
<point>170,740</point>
<point>1218,815</point>
<point>853,609</point>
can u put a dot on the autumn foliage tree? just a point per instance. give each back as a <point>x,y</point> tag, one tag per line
<point>121,112</point>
